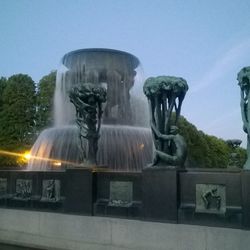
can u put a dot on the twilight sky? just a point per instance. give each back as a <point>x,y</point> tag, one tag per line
<point>205,42</point>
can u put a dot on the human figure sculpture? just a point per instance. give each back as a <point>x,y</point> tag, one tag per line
<point>210,194</point>
<point>244,83</point>
<point>165,94</point>
<point>178,146</point>
<point>88,99</point>
<point>23,189</point>
<point>50,190</point>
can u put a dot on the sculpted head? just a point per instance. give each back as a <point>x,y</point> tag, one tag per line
<point>244,78</point>
<point>174,130</point>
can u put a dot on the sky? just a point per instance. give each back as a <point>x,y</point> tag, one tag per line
<point>205,42</point>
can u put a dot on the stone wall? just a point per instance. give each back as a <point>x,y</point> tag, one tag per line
<point>193,196</point>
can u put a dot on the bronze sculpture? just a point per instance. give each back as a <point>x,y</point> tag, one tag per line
<point>87,99</point>
<point>165,95</point>
<point>244,83</point>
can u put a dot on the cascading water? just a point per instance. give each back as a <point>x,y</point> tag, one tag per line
<point>124,143</point>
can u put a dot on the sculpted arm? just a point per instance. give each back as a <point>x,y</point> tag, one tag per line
<point>160,135</point>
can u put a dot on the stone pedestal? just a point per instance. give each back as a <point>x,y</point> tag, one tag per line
<point>79,191</point>
<point>159,194</point>
<point>245,181</point>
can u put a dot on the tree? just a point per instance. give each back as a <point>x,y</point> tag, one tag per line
<point>206,151</point>
<point>3,82</point>
<point>241,156</point>
<point>45,94</point>
<point>17,116</point>
<point>196,144</point>
<point>218,153</point>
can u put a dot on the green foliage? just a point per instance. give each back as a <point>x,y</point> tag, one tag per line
<point>17,116</point>
<point>196,143</point>
<point>46,87</point>
<point>207,151</point>
<point>238,157</point>
<point>218,152</point>
<point>242,156</point>
<point>3,82</point>
<point>23,112</point>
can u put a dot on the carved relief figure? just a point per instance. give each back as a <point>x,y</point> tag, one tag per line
<point>23,188</point>
<point>51,190</point>
<point>209,196</point>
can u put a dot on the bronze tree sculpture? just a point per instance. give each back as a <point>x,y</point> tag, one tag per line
<point>165,96</point>
<point>88,99</point>
<point>244,83</point>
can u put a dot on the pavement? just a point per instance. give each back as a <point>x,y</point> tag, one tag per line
<point>12,247</point>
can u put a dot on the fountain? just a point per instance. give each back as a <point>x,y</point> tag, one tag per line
<point>125,143</point>
<point>162,192</point>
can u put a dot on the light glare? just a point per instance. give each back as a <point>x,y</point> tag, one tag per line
<point>57,163</point>
<point>27,155</point>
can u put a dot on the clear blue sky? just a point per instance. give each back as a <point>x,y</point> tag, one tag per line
<point>206,42</point>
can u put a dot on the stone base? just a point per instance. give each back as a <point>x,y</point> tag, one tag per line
<point>245,181</point>
<point>79,191</point>
<point>159,198</point>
